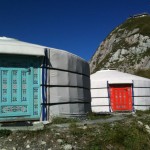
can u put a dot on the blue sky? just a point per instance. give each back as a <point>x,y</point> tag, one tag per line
<point>78,26</point>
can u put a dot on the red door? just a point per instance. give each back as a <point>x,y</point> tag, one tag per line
<point>121,97</point>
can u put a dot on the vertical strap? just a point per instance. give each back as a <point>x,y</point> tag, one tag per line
<point>108,96</point>
<point>44,88</point>
<point>133,109</point>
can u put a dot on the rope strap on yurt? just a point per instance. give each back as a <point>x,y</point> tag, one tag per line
<point>44,88</point>
<point>133,96</point>
<point>108,96</point>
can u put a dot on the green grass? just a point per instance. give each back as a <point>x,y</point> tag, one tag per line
<point>94,116</point>
<point>141,113</point>
<point>120,136</point>
<point>143,73</point>
<point>5,133</point>
<point>60,120</point>
<point>75,130</point>
<point>142,23</point>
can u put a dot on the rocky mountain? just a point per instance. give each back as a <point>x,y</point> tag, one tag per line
<point>127,48</point>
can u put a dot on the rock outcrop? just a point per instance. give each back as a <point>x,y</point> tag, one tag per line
<point>127,48</point>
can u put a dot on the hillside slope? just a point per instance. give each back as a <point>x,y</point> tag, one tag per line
<point>127,48</point>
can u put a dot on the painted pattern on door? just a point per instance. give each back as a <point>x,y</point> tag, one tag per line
<point>19,87</point>
<point>121,97</point>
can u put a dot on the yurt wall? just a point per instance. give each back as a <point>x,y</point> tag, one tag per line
<point>68,85</point>
<point>100,96</point>
<point>141,94</point>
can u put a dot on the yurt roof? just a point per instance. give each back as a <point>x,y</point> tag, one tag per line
<point>13,46</point>
<point>114,76</point>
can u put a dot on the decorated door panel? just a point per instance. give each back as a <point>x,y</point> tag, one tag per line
<point>19,87</point>
<point>121,97</point>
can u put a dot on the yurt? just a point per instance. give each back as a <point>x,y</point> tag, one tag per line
<point>115,91</point>
<point>37,82</point>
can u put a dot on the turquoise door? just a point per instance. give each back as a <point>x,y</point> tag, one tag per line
<point>19,87</point>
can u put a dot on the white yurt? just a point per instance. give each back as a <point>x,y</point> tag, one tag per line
<point>115,91</point>
<point>37,82</point>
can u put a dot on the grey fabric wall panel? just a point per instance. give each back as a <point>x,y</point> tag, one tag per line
<point>68,84</point>
<point>85,68</point>
<point>99,93</point>
<point>141,83</point>
<point>141,107</point>
<point>67,61</point>
<point>100,101</point>
<point>54,110</point>
<point>57,77</point>
<point>66,94</point>
<point>98,84</point>
<point>57,110</point>
<point>86,82</point>
<point>141,91</point>
<point>100,109</point>
<point>87,95</point>
<point>72,63</point>
<point>141,100</point>
<point>58,59</point>
<point>69,110</point>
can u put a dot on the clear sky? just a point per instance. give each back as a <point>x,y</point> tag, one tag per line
<point>78,26</point>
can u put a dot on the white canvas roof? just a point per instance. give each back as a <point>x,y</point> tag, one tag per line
<point>114,76</point>
<point>13,46</point>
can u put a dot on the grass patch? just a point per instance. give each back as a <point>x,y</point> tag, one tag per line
<point>60,120</point>
<point>75,130</point>
<point>141,22</point>
<point>94,116</point>
<point>141,113</point>
<point>120,136</point>
<point>5,133</point>
<point>143,73</point>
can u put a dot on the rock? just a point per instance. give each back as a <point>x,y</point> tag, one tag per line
<point>67,147</point>
<point>133,31</point>
<point>109,147</point>
<point>43,143</point>
<point>84,127</point>
<point>140,123</point>
<point>57,133</point>
<point>24,137</point>
<point>14,148</point>
<point>60,141</point>
<point>10,140</point>
<point>49,149</point>
<point>147,128</point>
<point>28,142</point>
<point>124,51</point>
<point>28,146</point>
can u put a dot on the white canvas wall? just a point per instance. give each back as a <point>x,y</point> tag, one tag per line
<point>100,101</point>
<point>142,92</point>
<point>142,101</point>
<point>66,78</point>
<point>99,93</point>
<point>100,109</point>
<point>69,84</point>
